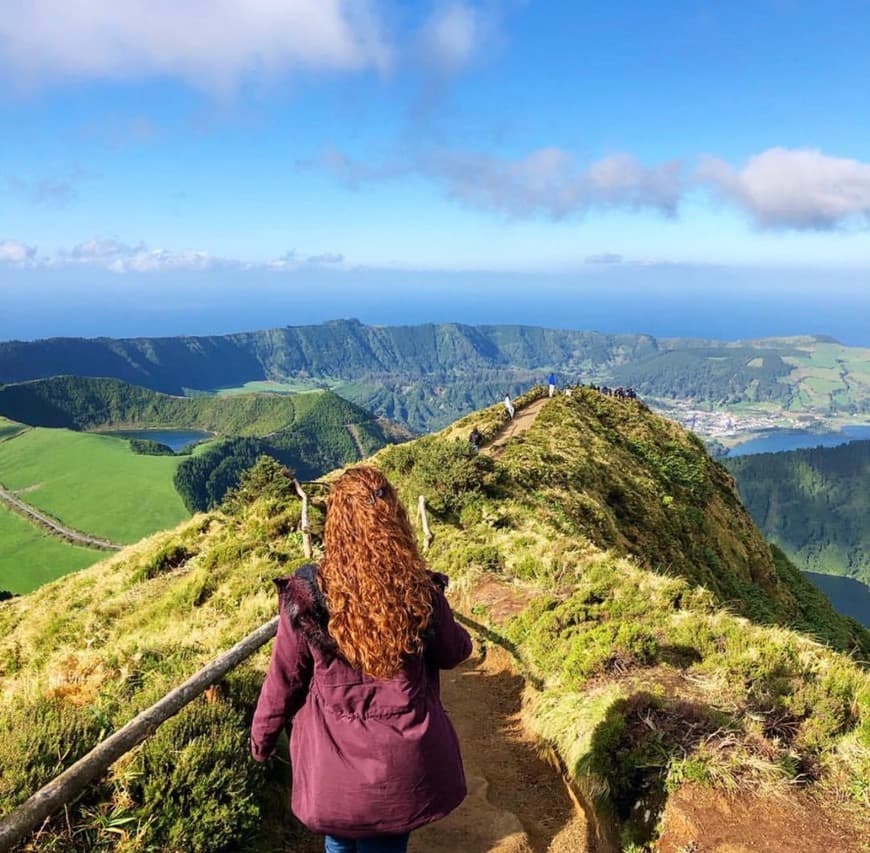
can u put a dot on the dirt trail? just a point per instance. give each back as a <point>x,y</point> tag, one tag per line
<point>517,801</point>
<point>522,420</point>
<point>53,526</point>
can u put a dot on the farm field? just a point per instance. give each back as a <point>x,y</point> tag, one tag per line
<point>92,483</point>
<point>29,557</point>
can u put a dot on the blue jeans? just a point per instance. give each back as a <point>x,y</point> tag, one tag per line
<point>375,844</point>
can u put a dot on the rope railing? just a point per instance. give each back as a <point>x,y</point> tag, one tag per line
<point>20,822</point>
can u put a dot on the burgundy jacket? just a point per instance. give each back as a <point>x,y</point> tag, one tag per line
<point>369,756</point>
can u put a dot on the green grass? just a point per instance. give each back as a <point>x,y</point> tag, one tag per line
<point>8,428</point>
<point>285,386</point>
<point>93,483</point>
<point>30,558</point>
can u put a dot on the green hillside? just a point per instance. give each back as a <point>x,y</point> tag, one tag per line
<point>93,483</point>
<point>426,376</point>
<point>29,558</point>
<point>814,504</point>
<point>83,403</point>
<point>599,547</point>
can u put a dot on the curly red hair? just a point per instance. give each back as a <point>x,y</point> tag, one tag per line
<point>376,584</point>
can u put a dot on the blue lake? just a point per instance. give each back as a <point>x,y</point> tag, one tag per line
<point>177,439</point>
<point>849,597</point>
<point>796,439</point>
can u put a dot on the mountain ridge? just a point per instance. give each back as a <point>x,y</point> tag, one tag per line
<point>427,375</point>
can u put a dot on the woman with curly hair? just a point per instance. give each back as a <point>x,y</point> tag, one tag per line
<point>361,640</point>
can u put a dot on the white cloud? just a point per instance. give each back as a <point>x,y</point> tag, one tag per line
<point>117,256</point>
<point>450,38</point>
<point>794,188</point>
<point>16,252</point>
<point>548,181</point>
<point>213,44</point>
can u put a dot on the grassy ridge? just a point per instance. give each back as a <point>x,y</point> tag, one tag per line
<point>646,681</point>
<point>93,483</point>
<point>30,558</point>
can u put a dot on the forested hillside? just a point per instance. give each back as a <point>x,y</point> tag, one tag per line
<point>425,376</point>
<point>601,548</point>
<point>85,403</point>
<point>814,504</point>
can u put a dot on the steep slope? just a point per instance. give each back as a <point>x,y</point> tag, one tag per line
<point>561,551</point>
<point>814,504</point>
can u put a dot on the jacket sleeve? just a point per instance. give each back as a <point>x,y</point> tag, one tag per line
<point>450,643</point>
<point>284,690</point>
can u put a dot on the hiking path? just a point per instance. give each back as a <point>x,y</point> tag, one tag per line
<point>522,420</point>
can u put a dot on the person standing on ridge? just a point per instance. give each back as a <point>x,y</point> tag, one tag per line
<point>509,406</point>
<point>551,381</point>
<point>354,678</point>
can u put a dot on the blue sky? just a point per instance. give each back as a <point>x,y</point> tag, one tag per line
<point>182,141</point>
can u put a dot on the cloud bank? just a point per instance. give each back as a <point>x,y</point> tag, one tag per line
<point>212,44</point>
<point>780,188</point>
<point>793,188</point>
<point>116,256</point>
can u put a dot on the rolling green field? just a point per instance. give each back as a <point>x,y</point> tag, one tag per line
<point>93,483</point>
<point>29,557</point>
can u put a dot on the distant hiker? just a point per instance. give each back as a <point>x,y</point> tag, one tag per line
<point>354,678</point>
<point>509,406</point>
<point>475,439</point>
<point>551,380</point>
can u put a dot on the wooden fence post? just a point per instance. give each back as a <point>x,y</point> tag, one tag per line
<point>306,531</point>
<point>424,520</point>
